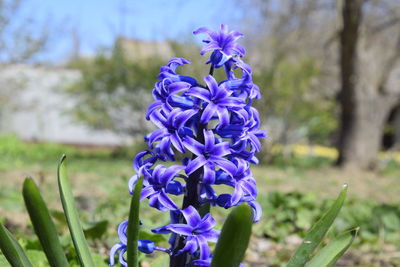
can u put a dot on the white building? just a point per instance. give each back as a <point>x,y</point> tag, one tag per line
<point>34,107</point>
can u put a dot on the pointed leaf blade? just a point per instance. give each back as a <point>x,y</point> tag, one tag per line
<point>43,224</point>
<point>317,232</point>
<point>71,214</point>
<point>12,250</point>
<point>133,226</point>
<point>234,238</point>
<point>329,255</point>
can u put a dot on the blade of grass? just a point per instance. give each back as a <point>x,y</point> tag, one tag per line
<point>12,250</point>
<point>71,214</point>
<point>43,225</point>
<point>329,255</point>
<point>133,226</point>
<point>234,238</point>
<point>317,232</point>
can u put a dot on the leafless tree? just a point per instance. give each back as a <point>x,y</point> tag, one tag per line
<point>369,62</point>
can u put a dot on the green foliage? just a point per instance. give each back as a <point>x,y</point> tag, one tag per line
<point>12,250</point>
<point>290,95</point>
<point>291,160</point>
<point>112,88</point>
<point>15,153</point>
<point>293,213</point>
<point>133,226</point>
<point>329,254</point>
<point>43,225</point>
<point>72,217</point>
<point>317,232</point>
<point>234,238</point>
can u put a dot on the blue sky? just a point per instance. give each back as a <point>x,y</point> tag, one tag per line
<point>98,21</point>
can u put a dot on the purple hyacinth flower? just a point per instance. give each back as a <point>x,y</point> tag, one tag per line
<point>218,101</point>
<point>156,187</point>
<point>218,125</point>
<point>198,232</point>
<point>209,155</point>
<point>171,129</point>
<point>145,246</point>
<point>223,44</point>
<point>143,162</point>
<point>169,71</point>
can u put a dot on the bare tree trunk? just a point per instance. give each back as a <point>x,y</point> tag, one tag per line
<point>360,136</point>
<point>364,106</point>
<point>396,128</point>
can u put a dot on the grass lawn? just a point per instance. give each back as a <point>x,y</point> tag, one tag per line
<point>100,184</point>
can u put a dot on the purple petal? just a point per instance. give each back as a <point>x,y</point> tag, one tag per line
<point>225,164</point>
<point>191,215</point>
<point>221,149</point>
<point>177,87</point>
<point>180,229</point>
<point>239,49</point>
<point>211,84</point>
<point>199,92</point>
<point>223,115</point>
<point>195,164</point>
<point>208,112</point>
<point>202,30</point>
<point>132,182</point>
<point>237,195</point>
<point>212,235</point>
<point>191,246</point>
<point>156,136</point>
<point>193,146</point>
<point>183,117</point>
<point>224,28</point>
<point>158,119</point>
<point>122,232</point>
<point>166,202</point>
<point>255,141</point>
<point>204,248</point>
<point>152,107</point>
<point>177,142</point>
<point>114,250</point>
<point>209,175</point>
<point>210,47</point>
<point>157,173</point>
<point>257,211</point>
<point>170,173</point>
<point>147,192</point>
<point>161,230</point>
<point>249,187</point>
<point>209,139</point>
<point>206,224</point>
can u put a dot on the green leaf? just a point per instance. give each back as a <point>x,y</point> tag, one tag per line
<point>71,214</point>
<point>329,255</point>
<point>234,238</point>
<point>3,261</point>
<point>317,233</point>
<point>133,226</point>
<point>12,250</point>
<point>43,225</point>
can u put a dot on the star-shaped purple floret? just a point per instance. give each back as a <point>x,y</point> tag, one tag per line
<point>171,129</point>
<point>218,101</point>
<point>156,187</point>
<point>208,156</point>
<point>198,231</point>
<point>223,44</point>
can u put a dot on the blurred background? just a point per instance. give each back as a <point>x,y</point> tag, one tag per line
<point>76,78</point>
